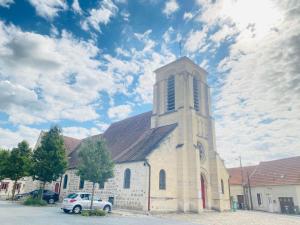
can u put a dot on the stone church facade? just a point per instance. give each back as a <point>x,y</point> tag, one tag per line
<point>166,159</point>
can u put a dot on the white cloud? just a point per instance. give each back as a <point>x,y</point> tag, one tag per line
<point>187,16</point>
<point>80,132</point>
<point>171,6</point>
<point>102,15</point>
<point>119,112</point>
<point>9,139</point>
<point>258,104</point>
<point>6,3</point>
<point>76,7</point>
<point>48,78</point>
<point>196,40</point>
<point>48,9</point>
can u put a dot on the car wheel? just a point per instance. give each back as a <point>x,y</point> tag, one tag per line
<point>51,201</point>
<point>107,208</point>
<point>66,210</point>
<point>77,209</point>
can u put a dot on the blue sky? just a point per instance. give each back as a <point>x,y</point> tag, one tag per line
<point>85,64</point>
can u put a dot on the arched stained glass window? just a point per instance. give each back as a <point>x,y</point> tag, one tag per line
<point>81,183</point>
<point>127,175</point>
<point>162,180</point>
<point>65,181</point>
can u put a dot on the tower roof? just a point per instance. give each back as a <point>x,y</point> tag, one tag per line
<point>184,61</point>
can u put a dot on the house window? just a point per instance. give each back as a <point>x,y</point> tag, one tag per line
<point>171,94</point>
<point>127,175</point>
<point>81,183</point>
<point>162,180</point>
<point>4,186</point>
<point>101,185</point>
<point>259,199</point>
<point>65,182</point>
<point>196,94</point>
<point>222,186</point>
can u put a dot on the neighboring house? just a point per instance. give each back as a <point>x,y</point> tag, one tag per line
<point>6,187</point>
<point>237,190</point>
<point>275,186</point>
<point>165,159</point>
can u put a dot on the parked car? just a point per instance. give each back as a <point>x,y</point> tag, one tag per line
<point>49,196</point>
<point>76,202</point>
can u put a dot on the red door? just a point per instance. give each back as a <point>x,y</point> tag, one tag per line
<point>203,192</point>
<point>56,187</point>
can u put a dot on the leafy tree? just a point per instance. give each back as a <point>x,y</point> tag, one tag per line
<point>95,163</point>
<point>49,159</point>
<point>4,155</point>
<point>18,164</point>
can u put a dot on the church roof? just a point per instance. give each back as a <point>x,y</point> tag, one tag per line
<point>129,140</point>
<point>276,172</point>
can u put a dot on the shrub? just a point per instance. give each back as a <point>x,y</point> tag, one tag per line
<point>34,201</point>
<point>95,212</point>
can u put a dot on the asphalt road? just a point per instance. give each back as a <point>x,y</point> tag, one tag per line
<point>16,214</point>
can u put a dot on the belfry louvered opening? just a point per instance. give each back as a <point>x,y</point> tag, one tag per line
<point>171,93</point>
<point>196,93</point>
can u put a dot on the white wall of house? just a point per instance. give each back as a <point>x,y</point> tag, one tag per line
<point>6,187</point>
<point>270,196</point>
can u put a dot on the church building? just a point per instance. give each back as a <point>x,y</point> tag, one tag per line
<point>165,159</point>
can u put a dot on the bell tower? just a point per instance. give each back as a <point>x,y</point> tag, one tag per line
<point>181,96</point>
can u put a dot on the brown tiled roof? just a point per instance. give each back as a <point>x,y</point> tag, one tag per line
<point>70,144</point>
<point>130,139</point>
<point>235,175</point>
<point>277,172</point>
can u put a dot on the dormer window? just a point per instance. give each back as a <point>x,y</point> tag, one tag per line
<point>171,93</point>
<point>196,94</point>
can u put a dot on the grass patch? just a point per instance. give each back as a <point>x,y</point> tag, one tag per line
<point>34,202</point>
<point>95,212</point>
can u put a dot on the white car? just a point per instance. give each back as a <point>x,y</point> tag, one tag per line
<point>76,202</point>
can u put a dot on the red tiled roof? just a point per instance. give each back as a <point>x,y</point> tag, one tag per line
<point>277,172</point>
<point>129,140</point>
<point>235,175</point>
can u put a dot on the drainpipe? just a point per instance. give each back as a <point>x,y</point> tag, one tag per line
<point>149,182</point>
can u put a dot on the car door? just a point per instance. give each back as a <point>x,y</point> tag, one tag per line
<point>85,201</point>
<point>98,203</point>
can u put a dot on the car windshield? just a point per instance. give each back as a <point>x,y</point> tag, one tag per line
<point>73,195</point>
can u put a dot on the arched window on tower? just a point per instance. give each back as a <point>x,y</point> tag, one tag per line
<point>196,94</point>
<point>127,175</point>
<point>81,183</point>
<point>222,186</point>
<point>162,180</point>
<point>171,94</point>
<point>65,181</point>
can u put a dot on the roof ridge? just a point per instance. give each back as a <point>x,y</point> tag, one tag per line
<point>128,118</point>
<point>292,157</point>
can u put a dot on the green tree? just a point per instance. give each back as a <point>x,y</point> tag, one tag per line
<point>95,163</point>
<point>18,164</point>
<point>49,160</point>
<point>4,155</point>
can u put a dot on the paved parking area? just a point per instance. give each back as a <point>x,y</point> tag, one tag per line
<point>235,218</point>
<point>15,214</point>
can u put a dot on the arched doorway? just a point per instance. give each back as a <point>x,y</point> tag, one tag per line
<point>203,191</point>
<point>56,189</point>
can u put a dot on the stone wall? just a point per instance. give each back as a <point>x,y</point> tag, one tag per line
<point>136,197</point>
